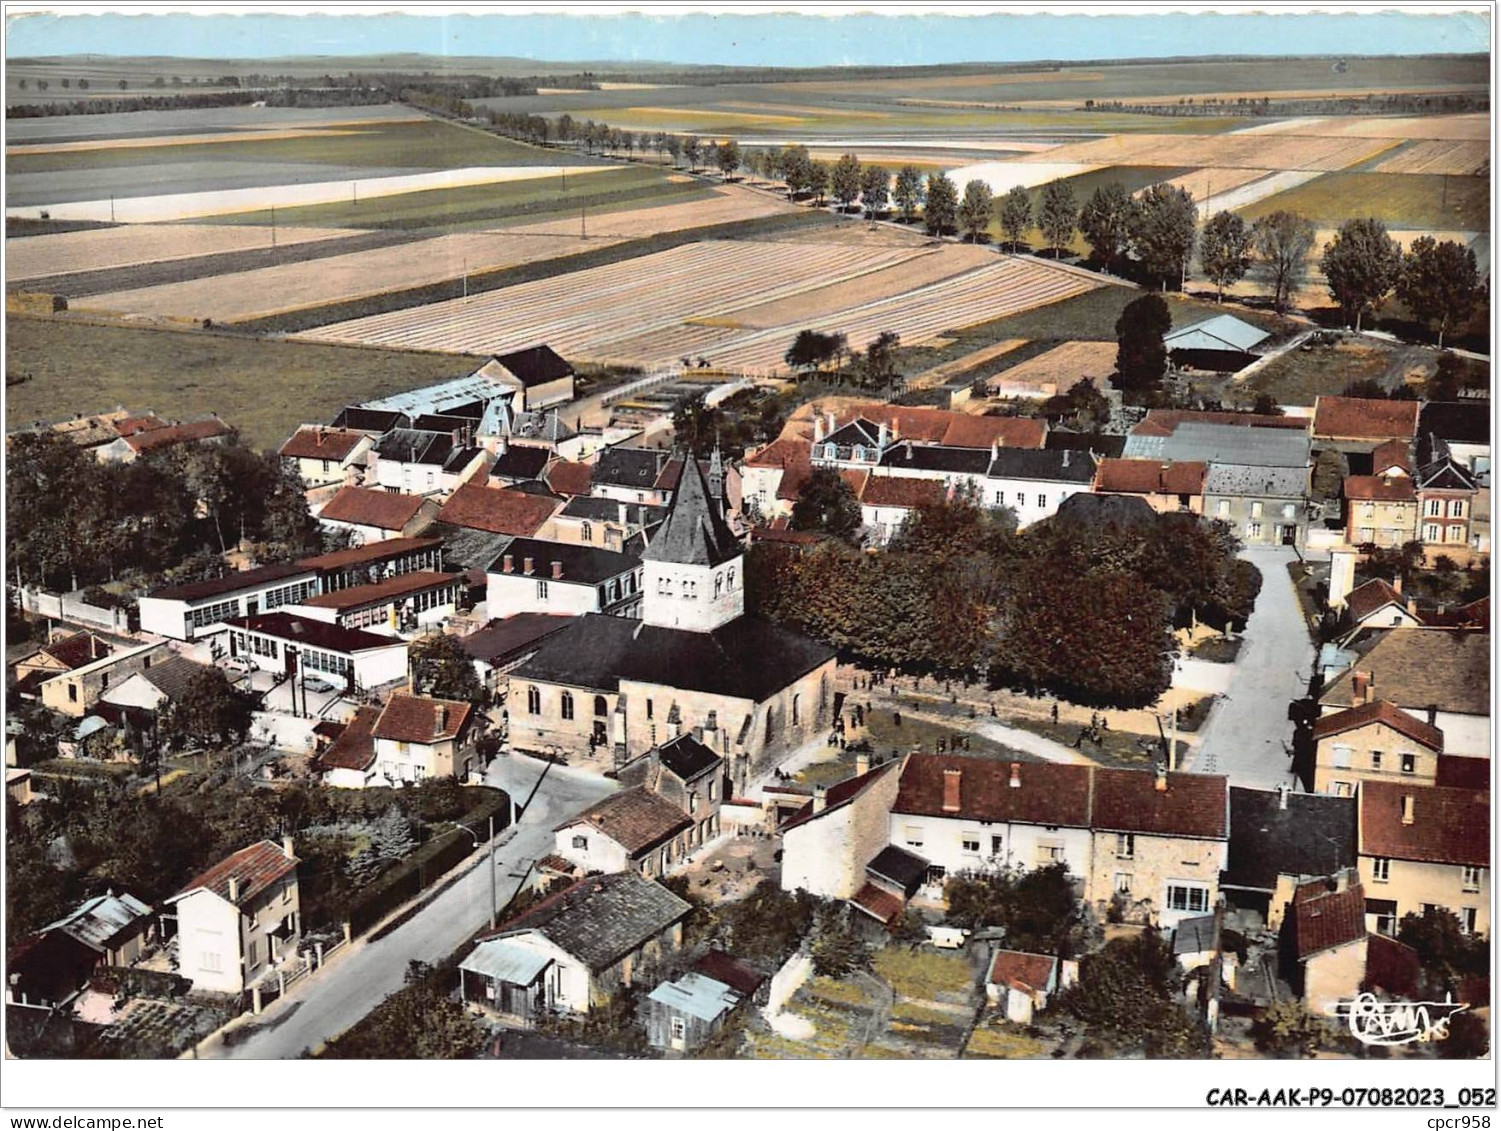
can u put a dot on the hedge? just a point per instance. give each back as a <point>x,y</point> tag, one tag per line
<point>406,879</point>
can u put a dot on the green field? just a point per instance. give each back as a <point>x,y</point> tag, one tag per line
<point>1403,200</point>
<point>265,388</point>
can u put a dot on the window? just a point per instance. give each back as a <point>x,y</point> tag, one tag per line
<point>718,584</point>
<point>1385,913</point>
<point>652,731</point>
<point>250,958</point>
<point>1435,508</point>
<point>1289,510</point>
<point>713,789</point>
<point>1467,919</point>
<point>912,834</point>
<point>1048,852</point>
<point>1469,878</point>
<point>1042,500</point>
<point>1381,869</point>
<point>1409,763</point>
<point>729,578</point>
<point>1457,508</point>
<point>1021,498</point>
<point>1223,509</point>
<point>211,961</point>
<point>666,856</point>
<point>679,1030</point>
<point>969,842</point>
<point>693,801</point>
<point>796,703</point>
<point>541,590</point>
<point>997,845</point>
<point>581,842</point>
<point>1125,846</point>
<point>1341,757</point>
<point>72,693</point>
<point>587,532</point>
<point>648,709</point>
<point>1431,532</point>
<point>601,706</point>
<point>1344,789</point>
<point>533,701</point>
<point>1256,509</point>
<point>1123,882</point>
<point>1427,908</point>
<point>567,704</point>
<point>1254,530</point>
<point>1187,897</point>
<point>1375,759</point>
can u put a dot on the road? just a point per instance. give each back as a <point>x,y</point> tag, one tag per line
<point>1249,734</point>
<point>329,1002</point>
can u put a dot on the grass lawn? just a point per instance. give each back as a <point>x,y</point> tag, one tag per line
<point>1121,748</point>
<point>997,1040</point>
<point>924,973</point>
<point>1403,200</point>
<point>264,388</point>
<point>1300,375</point>
<point>1217,649</point>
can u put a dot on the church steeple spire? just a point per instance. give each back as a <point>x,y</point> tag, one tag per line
<point>692,576</point>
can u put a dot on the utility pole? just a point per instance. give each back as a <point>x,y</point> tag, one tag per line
<point>111,208</point>
<point>273,227</point>
<point>583,222</point>
<point>494,906</point>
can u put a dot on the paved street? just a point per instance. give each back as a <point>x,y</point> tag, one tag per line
<point>1248,735</point>
<point>331,1001</point>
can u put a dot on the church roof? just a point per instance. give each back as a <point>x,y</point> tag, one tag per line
<point>695,532</point>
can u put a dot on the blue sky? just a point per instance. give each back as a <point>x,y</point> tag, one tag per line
<point>765,39</point>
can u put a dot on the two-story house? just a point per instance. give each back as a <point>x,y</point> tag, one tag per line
<point>326,457</point>
<point>533,576</point>
<point>239,919</point>
<point>1422,847</point>
<point>1446,493</point>
<point>1376,741</point>
<point>1166,486</point>
<point>419,737</point>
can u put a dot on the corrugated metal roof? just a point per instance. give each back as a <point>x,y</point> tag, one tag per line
<point>1222,332</point>
<point>1228,443</point>
<point>696,995</point>
<point>506,961</point>
<point>97,921</point>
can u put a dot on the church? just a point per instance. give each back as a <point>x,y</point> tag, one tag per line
<point>608,689</point>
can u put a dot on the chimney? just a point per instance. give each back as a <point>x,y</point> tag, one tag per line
<point>234,889</point>
<point>896,428</point>
<point>1016,775</point>
<point>951,779</point>
<point>909,451</point>
<point>557,570</point>
<point>286,845</point>
<point>1161,785</point>
<point>1407,814</point>
<point>507,564</point>
<point>1433,714</point>
<point>862,763</point>
<point>1412,608</point>
<point>458,436</point>
<point>995,450</point>
<point>1360,688</point>
<point>818,429</point>
<point>1397,583</point>
<point>828,420</point>
<point>526,566</point>
<point>820,798</point>
<point>883,437</point>
<point>1066,454</point>
<point>440,720</point>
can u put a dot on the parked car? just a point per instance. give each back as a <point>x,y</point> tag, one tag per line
<point>313,683</point>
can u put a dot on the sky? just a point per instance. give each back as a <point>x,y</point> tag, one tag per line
<point>760,39</point>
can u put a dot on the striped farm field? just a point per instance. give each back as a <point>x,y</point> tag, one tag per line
<point>1438,127</point>
<point>1205,183</point>
<point>1233,150</point>
<point>102,248</point>
<point>1452,158</point>
<point>657,309</point>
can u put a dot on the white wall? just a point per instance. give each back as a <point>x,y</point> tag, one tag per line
<point>1463,734</point>
<point>208,932</point>
<point>379,665</point>
<point>813,858</point>
<point>507,594</point>
<point>602,854</point>
<point>1004,492</point>
<point>717,595</point>
<point>941,842</point>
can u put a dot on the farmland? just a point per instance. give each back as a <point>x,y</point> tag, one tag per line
<point>1404,200</point>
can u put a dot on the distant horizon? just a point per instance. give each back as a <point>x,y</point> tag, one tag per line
<point>769,40</point>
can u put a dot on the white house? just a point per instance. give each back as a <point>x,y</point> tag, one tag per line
<point>887,503</point>
<point>323,456</point>
<point>630,830</point>
<point>276,642</point>
<point>414,461</point>
<point>1035,482</point>
<point>184,612</point>
<point>371,515</point>
<point>560,578</point>
<point>349,761</point>
<point>828,842</point>
<point>419,737</point>
<point>1023,982</point>
<point>239,919</point>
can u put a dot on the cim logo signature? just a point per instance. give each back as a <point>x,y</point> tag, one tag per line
<point>1376,1022</point>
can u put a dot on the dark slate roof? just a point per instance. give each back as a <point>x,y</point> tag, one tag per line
<point>460,458</point>
<point>586,565</point>
<point>1026,463</point>
<point>901,867</point>
<point>687,757</point>
<point>520,462</point>
<point>1103,444</point>
<point>857,433</point>
<point>1443,473</point>
<point>536,365</point>
<point>601,919</point>
<point>740,976</point>
<point>408,445</point>
<point>1313,836</point>
<point>499,640</point>
<point>609,510</point>
<point>935,457</point>
<point>467,547</point>
<point>456,416</point>
<point>1243,479</point>
<point>235,582</point>
<point>745,659</point>
<point>371,419</point>
<point>174,675</point>
<point>314,633</point>
<point>1459,422</point>
<point>694,532</point>
<point>629,467</point>
<point>1089,511</point>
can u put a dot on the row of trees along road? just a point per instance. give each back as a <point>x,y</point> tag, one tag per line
<point>1082,610</point>
<point>1438,281</point>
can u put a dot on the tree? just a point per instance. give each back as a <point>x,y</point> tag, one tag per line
<point>1286,1029</point>
<point>1362,264</point>
<point>1141,354</point>
<point>975,209</point>
<point>1016,215</point>
<point>767,925</point>
<point>910,929</point>
<point>879,365</point>
<point>210,711</point>
<point>875,190</point>
<point>826,503</point>
<point>691,151</point>
<point>391,836</point>
<point>818,181</point>
<point>420,1021</point>
<point>1282,241</point>
<point>1439,283</point>
<point>1447,952</point>
<point>811,350</point>
<point>1164,229</point>
<point>695,424</point>
<point>1469,1038</point>
<point>844,181</point>
<point>1126,991</point>
<point>1106,221</point>
<point>941,210</point>
<point>1225,251</point>
<point>797,169</point>
<point>908,192</point>
<point>729,157</point>
<point>1058,216</point>
<point>837,950</point>
<point>441,668</point>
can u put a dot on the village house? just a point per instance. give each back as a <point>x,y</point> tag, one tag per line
<point>1166,487</point>
<point>514,464</point>
<point>1439,677</point>
<point>1465,429</point>
<point>1324,942</point>
<point>49,967</point>
<point>1359,425</point>
<point>238,920</point>
<point>325,457</point>
<point>576,949</point>
<point>888,503</point>
<point>348,762</point>
<point>633,830</point>
<point>685,773</point>
<point>1021,983</point>
<point>144,435</point>
<point>1266,506</point>
<point>1278,839</point>
<point>606,523</point>
<point>538,376</point>
<point>499,646</point>
<point>632,475</point>
<point>418,737</point>
<point>827,843</point>
<point>1378,603</point>
<point>410,461</point>
<point>569,478</point>
<point>559,578</point>
<point>157,688</point>
<point>371,515</point>
<point>1160,843</point>
<point>302,647</point>
<point>404,604</point>
<point>1446,495</point>
<point>682,1015</point>
<point>498,510</point>
<point>74,692</point>
<point>1381,509</point>
<point>1375,741</point>
<point>1033,484</point>
<point>200,608</point>
<point>1422,847</point>
<point>61,654</point>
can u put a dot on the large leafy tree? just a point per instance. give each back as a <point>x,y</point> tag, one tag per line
<point>811,350</point>
<point>796,168</point>
<point>1282,241</point>
<point>420,1021</point>
<point>1058,215</point>
<point>729,157</point>
<point>818,180</point>
<point>1106,220</point>
<point>441,668</point>
<point>875,189</point>
<point>210,711</point>
<point>844,181</point>
<point>1016,215</point>
<point>941,212</point>
<point>1126,994</point>
<point>1362,263</point>
<point>1225,251</point>
<point>1163,230</point>
<point>826,503</point>
<point>1439,283</point>
<point>975,209</point>
<point>908,192</point>
<point>1141,354</point>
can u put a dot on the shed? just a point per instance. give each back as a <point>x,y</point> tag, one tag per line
<point>1223,343</point>
<point>682,1015</point>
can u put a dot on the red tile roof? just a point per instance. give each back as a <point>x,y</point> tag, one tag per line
<point>838,796</point>
<point>1029,973</point>
<point>793,479</point>
<point>77,650</point>
<point>313,441</point>
<point>1392,967</point>
<point>1324,919</point>
<point>880,905</point>
<point>1150,477</point>
<point>1049,793</point>
<point>1393,453</point>
<point>1461,771</point>
<point>1165,421</point>
<point>780,453</point>
<point>966,431</point>
<point>636,819</point>
<point>354,748</point>
<point>941,426</point>
<point>157,438</point>
<point>256,868</point>
<point>370,552</point>
<point>1371,597</point>
<point>1193,805</point>
<point>498,510</point>
<point>1358,418</point>
<point>900,491</point>
<point>365,506</point>
<point>380,592</point>
<point>134,425</point>
<point>569,478</point>
<point>1378,489</point>
<point>1384,713</point>
<point>1450,826</point>
<point>421,719</point>
<point>744,979</point>
<point>778,533</point>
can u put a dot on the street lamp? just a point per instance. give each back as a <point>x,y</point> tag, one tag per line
<point>471,832</point>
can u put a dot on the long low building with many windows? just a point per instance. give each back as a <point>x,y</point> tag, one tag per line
<point>284,643</point>
<point>404,603</point>
<point>184,612</point>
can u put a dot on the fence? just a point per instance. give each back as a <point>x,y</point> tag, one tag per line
<point>72,607</point>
